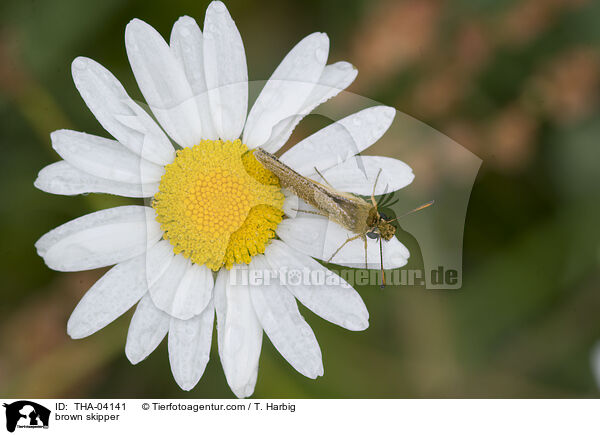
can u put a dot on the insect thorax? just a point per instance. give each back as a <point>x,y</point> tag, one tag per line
<point>377,222</point>
<point>373,218</point>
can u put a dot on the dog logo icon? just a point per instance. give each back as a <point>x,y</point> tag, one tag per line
<point>26,414</point>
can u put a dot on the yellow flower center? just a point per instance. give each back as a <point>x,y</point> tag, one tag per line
<point>217,205</point>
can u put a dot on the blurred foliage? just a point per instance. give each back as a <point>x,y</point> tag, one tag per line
<point>516,82</point>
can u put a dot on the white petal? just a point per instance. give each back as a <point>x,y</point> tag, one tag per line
<point>163,291</point>
<point>220,301</point>
<point>339,141</point>
<point>158,260</point>
<point>334,78</point>
<point>61,178</point>
<point>291,204</point>
<point>193,293</point>
<point>337,302</point>
<point>184,290</point>
<point>278,314</point>
<point>358,174</point>
<point>187,46</point>
<point>226,71</point>
<point>148,327</point>
<point>112,295</point>
<point>120,115</point>
<point>163,83</point>
<point>189,347</point>
<point>100,239</point>
<point>320,238</point>
<point>281,132</point>
<point>239,333</point>
<point>104,158</point>
<point>287,89</point>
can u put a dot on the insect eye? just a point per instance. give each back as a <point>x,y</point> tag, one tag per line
<point>372,235</point>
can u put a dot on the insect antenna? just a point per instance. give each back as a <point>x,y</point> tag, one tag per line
<point>419,208</point>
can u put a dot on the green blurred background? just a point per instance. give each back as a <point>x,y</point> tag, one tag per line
<point>515,82</point>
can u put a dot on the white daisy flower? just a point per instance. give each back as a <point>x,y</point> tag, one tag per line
<point>213,206</point>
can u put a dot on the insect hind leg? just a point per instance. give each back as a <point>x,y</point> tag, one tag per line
<point>342,245</point>
<point>310,212</point>
<point>321,175</point>
<point>366,263</point>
